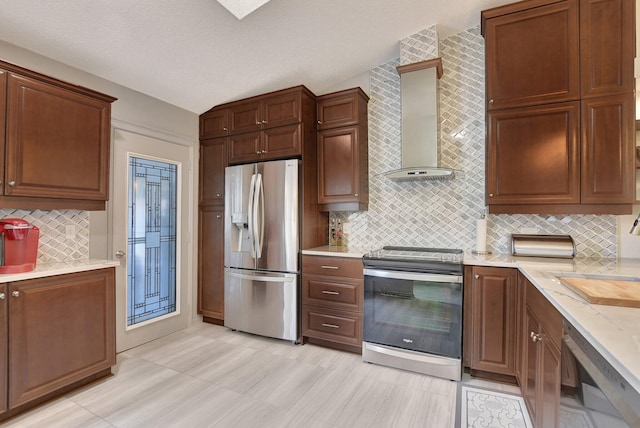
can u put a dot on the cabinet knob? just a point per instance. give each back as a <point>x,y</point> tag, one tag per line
<point>264,151</point>
<point>218,195</point>
<point>491,195</point>
<point>12,184</point>
<point>2,296</point>
<point>355,194</point>
<point>536,337</point>
<point>258,123</point>
<point>319,122</point>
<point>218,215</point>
<point>225,129</point>
<point>477,276</point>
<point>16,293</point>
<point>264,122</point>
<point>258,152</point>
<point>490,101</point>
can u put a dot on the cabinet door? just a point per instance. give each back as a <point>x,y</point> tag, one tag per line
<point>211,262</point>
<point>532,56</point>
<point>533,155</point>
<point>335,111</point>
<point>4,352</point>
<point>530,348</point>
<point>214,123</point>
<point>213,160</point>
<point>608,150</point>
<point>282,109</point>
<point>57,142</point>
<point>494,337</point>
<point>549,384</point>
<point>62,329</point>
<point>607,49</point>
<point>285,141</point>
<point>245,148</point>
<point>338,165</point>
<point>244,117</point>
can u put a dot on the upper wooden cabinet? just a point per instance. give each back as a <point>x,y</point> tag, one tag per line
<point>56,145</point>
<point>533,155</point>
<point>268,144</point>
<point>344,108</point>
<point>607,47</point>
<point>343,153</point>
<point>560,101</point>
<point>272,110</point>
<point>213,160</point>
<point>214,123</point>
<point>532,54</point>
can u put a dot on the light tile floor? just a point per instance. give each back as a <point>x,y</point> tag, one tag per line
<point>209,376</point>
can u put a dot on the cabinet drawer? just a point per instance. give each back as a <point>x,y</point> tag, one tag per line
<point>332,266</point>
<point>328,324</point>
<point>547,315</point>
<point>339,293</point>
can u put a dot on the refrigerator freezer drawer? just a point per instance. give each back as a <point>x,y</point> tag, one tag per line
<point>263,303</point>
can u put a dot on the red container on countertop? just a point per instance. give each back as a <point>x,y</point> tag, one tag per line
<point>19,241</point>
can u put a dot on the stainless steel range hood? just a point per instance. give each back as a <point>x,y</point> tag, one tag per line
<point>420,123</point>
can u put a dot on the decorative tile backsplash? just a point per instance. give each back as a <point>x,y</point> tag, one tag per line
<point>443,213</point>
<point>53,245</point>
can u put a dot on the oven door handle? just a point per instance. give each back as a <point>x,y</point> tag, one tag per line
<point>413,276</point>
<point>629,415</point>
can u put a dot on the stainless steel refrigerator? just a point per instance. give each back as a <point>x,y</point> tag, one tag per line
<point>261,248</point>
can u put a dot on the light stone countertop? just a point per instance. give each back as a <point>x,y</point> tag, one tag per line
<point>60,268</point>
<point>335,251</point>
<point>613,330</point>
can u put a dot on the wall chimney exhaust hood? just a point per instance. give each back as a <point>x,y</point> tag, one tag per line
<point>420,123</point>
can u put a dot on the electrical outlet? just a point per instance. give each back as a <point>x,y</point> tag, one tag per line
<point>70,231</point>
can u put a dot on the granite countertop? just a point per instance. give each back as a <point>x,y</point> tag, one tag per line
<point>613,330</point>
<point>60,268</point>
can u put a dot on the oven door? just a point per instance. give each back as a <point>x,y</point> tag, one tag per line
<point>598,396</point>
<point>415,311</point>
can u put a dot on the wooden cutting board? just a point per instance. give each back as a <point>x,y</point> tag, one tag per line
<point>606,292</point>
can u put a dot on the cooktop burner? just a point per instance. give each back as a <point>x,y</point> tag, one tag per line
<point>416,259</point>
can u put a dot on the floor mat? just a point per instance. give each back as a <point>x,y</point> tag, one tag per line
<point>490,409</point>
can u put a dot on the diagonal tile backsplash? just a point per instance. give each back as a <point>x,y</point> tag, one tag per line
<point>53,245</point>
<point>443,213</point>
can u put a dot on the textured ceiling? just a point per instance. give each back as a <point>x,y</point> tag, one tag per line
<point>195,54</point>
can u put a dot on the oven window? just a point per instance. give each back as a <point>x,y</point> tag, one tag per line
<point>411,314</point>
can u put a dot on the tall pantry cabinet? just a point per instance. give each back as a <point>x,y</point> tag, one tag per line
<point>560,106</point>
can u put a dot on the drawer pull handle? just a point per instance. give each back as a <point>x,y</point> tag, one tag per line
<point>329,267</point>
<point>330,325</point>
<point>333,293</point>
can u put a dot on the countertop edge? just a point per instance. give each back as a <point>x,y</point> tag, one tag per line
<point>43,270</point>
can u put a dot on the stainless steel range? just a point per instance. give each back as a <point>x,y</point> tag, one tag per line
<point>413,310</point>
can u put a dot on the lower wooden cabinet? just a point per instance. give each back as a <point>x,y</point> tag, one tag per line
<point>490,328</point>
<point>59,331</point>
<point>332,301</point>
<point>541,344</point>
<point>211,263</point>
<point>4,352</point>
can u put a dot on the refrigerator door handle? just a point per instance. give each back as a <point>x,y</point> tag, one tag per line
<point>259,216</point>
<point>250,220</point>
<point>279,279</point>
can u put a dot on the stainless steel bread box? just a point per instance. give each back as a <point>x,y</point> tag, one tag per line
<point>559,246</point>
